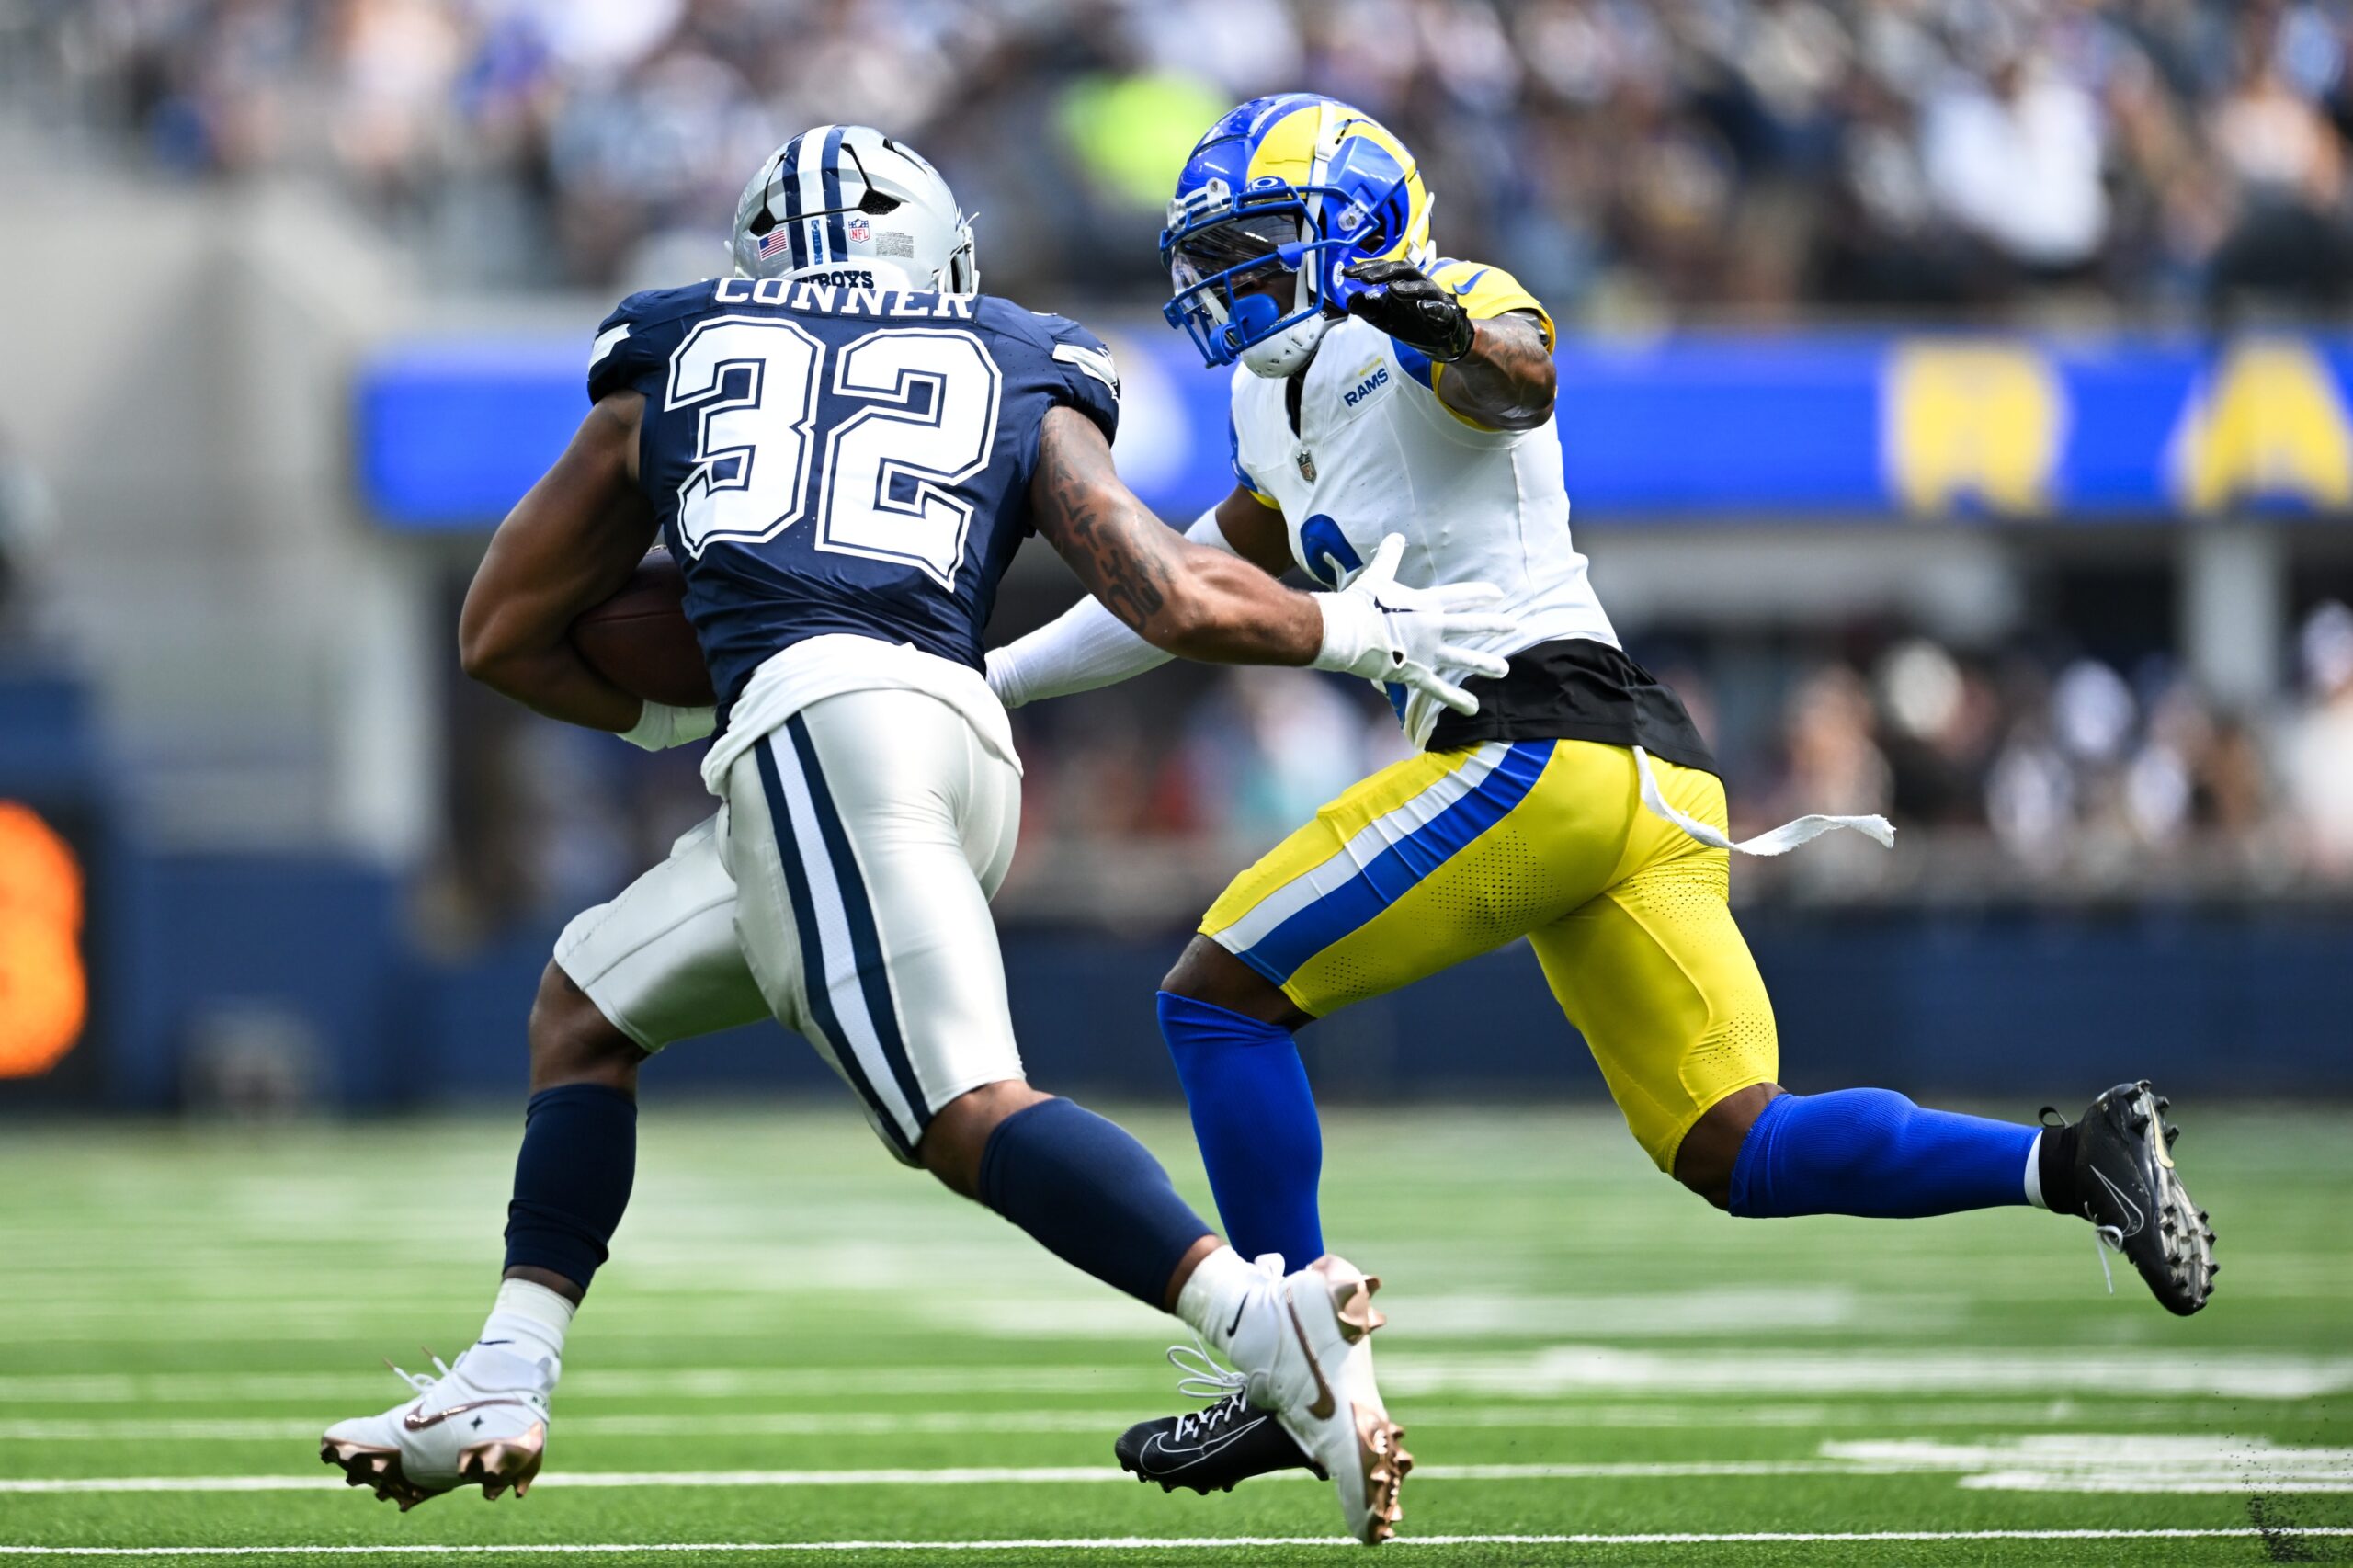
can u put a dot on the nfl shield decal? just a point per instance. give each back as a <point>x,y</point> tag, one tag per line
<point>1307,465</point>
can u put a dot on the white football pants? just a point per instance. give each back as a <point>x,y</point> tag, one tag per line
<point>842,888</point>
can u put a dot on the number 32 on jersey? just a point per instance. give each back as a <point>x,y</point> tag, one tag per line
<point>916,415</point>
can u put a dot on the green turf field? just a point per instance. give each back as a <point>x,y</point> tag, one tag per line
<point>799,1343</point>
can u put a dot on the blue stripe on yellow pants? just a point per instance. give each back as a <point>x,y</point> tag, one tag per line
<point>1445,856</point>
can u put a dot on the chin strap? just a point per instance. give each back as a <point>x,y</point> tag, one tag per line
<point>1777,841</point>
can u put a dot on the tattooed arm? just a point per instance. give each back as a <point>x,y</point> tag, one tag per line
<point>1507,381</point>
<point>1193,601</point>
<point>1157,594</point>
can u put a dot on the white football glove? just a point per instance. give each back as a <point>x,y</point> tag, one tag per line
<point>1383,631</point>
<point>660,726</point>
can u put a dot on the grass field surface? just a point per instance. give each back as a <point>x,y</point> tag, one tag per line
<point>803,1353</point>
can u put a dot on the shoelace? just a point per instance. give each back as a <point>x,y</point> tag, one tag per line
<point>1203,1378</point>
<point>418,1381</point>
<point>1204,1422</point>
<point>2106,1239</point>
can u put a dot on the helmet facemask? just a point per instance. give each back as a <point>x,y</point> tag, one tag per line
<point>1245,288</point>
<point>1336,189</point>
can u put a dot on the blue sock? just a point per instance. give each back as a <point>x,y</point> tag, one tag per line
<point>572,1179</point>
<point>1091,1195</point>
<point>1871,1151</point>
<point>1253,1117</point>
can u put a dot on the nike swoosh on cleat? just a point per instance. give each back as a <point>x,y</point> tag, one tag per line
<point>1192,1456</point>
<point>1237,1319</point>
<point>1324,1403</point>
<point>2138,1218</point>
<point>417,1421</point>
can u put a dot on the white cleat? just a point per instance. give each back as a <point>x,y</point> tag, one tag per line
<point>482,1423</point>
<point>1314,1371</point>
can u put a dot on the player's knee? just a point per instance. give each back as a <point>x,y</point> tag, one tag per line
<point>572,1042</point>
<point>1710,1150</point>
<point>959,1134</point>
<point>1207,972</point>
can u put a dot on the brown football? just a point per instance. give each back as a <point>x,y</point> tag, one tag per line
<point>640,639</point>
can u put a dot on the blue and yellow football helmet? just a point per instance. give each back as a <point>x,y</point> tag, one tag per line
<point>1294,183</point>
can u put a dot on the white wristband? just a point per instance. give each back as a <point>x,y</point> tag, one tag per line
<point>660,726</point>
<point>1352,629</point>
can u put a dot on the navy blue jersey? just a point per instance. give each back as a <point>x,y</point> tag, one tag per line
<point>827,459</point>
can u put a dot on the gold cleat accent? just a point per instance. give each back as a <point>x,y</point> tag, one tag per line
<point>510,1461</point>
<point>1352,1304</point>
<point>494,1466</point>
<point>379,1470</point>
<point>1381,1443</point>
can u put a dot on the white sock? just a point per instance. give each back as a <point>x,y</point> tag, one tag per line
<point>528,1322</point>
<point>1213,1297</point>
<point>2034,1173</point>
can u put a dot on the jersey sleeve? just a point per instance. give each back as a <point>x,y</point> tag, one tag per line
<point>1088,381</point>
<point>1491,291</point>
<point>1485,291</point>
<point>624,348</point>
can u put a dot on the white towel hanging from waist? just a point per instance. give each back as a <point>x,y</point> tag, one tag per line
<point>1777,841</point>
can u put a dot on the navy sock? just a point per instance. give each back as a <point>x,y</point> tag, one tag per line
<point>1871,1151</point>
<point>1253,1117</point>
<point>1091,1195</point>
<point>572,1179</point>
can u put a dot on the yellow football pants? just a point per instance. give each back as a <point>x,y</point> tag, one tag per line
<point>1447,855</point>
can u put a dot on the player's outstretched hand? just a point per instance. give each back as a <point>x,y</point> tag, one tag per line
<point>1418,311</point>
<point>1384,631</point>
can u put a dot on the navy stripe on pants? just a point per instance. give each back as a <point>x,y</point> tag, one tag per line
<point>812,949</point>
<point>866,942</point>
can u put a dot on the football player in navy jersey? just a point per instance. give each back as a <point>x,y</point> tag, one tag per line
<point>841,445</point>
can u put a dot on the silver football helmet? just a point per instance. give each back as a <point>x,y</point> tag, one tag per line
<point>843,197</point>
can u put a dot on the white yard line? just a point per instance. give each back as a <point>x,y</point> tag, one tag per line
<point>1551,1374</point>
<point>2076,1461</point>
<point>1534,1416</point>
<point>2151,1466</point>
<point>976,1475</point>
<point>1174,1543</point>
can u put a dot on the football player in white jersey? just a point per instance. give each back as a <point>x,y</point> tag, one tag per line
<point>1383,391</point>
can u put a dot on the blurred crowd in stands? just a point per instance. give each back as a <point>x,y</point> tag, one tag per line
<point>1631,160</point>
<point>1627,158</point>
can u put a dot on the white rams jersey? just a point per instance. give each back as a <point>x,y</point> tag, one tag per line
<point>1377,453</point>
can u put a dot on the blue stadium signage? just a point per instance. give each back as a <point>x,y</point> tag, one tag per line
<point>1691,425</point>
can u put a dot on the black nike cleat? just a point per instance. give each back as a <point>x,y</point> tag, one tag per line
<point>2125,1184</point>
<point>1210,1450</point>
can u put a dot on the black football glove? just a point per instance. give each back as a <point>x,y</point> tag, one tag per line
<point>1411,308</point>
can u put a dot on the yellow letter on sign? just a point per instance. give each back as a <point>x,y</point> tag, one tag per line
<point>2270,421</point>
<point>1958,420</point>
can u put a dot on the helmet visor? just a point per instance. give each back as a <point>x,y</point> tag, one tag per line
<point>1244,247</point>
